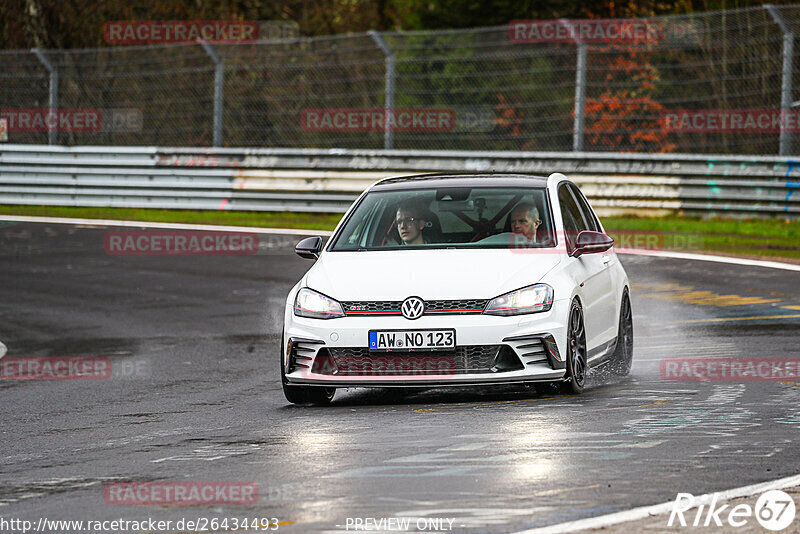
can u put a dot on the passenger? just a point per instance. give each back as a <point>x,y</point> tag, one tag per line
<point>410,223</point>
<point>525,220</point>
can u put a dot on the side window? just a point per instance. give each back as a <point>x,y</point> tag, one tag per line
<point>573,220</point>
<point>359,235</point>
<point>381,223</point>
<point>358,231</point>
<point>364,229</point>
<point>588,214</point>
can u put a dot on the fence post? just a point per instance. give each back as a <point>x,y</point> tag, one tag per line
<point>580,88</point>
<point>388,133</point>
<point>785,143</point>
<point>580,99</point>
<point>52,126</point>
<point>219,81</point>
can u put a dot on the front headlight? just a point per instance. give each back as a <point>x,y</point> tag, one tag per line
<point>531,299</point>
<point>309,303</point>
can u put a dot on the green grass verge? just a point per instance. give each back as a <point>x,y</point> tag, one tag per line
<point>747,237</point>
<point>777,238</point>
<point>305,221</point>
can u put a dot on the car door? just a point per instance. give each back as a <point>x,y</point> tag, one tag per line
<point>588,272</point>
<point>608,306</point>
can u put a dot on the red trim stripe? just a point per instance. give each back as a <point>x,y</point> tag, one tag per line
<point>452,311</point>
<point>371,312</point>
<point>400,313</point>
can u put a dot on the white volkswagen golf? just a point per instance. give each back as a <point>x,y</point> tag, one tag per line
<point>458,280</point>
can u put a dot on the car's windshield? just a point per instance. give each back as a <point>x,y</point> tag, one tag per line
<point>449,217</point>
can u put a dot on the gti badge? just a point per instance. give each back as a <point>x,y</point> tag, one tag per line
<point>412,308</point>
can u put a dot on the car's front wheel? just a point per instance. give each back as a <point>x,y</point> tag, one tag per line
<point>316,395</point>
<point>304,394</point>
<point>576,351</point>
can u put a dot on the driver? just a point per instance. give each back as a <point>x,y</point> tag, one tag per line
<point>410,223</point>
<point>525,220</point>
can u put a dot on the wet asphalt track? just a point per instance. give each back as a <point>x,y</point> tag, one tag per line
<point>201,400</point>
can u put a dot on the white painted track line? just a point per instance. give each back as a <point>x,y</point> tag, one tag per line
<point>644,512</point>
<point>163,225</point>
<point>717,259</point>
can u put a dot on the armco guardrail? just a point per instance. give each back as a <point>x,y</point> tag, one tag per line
<point>327,180</point>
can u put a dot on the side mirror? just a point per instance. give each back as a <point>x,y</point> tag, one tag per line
<point>309,248</point>
<point>589,242</point>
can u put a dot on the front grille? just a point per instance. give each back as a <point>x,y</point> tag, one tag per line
<point>438,307</point>
<point>360,361</point>
<point>456,306</point>
<point>371,308</point>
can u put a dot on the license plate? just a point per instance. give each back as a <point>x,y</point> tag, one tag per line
<point>388,340</point>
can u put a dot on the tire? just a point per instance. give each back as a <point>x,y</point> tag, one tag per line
<point>622,358</point>
<point>576,351</point>
<point>316,395</point>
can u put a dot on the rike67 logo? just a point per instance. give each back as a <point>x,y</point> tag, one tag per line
<point>774,510</point>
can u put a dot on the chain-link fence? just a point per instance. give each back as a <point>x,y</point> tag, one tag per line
<point>718,82</point>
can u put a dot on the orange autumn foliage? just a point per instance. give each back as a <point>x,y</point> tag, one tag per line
<point>626,119</point>
<point>508,117</point>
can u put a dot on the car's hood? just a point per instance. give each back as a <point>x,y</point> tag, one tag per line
<point>440,274</point>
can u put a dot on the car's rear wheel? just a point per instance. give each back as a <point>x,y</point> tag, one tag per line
<point>576,351</point>
<point>622,358</point>
<point>304,394</point>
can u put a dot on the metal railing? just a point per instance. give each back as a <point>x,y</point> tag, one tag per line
<point>505,90</point>
<point>327,180</point>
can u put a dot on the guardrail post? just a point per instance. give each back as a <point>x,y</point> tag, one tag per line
<point>52,126</point>
<point>785,142</point>
<point>388,133</point>
<point>219,81</point>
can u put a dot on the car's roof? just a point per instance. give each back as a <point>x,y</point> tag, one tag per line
<point>426,181</point>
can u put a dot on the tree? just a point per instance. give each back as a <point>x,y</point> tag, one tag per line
<point>626,118</point>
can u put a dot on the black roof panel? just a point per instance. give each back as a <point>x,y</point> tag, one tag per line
<point>425,181</point>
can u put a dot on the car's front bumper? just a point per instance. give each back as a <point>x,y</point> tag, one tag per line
<point>537,341</point>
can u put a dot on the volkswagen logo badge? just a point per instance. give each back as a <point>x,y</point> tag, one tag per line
<point>412,308</point>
